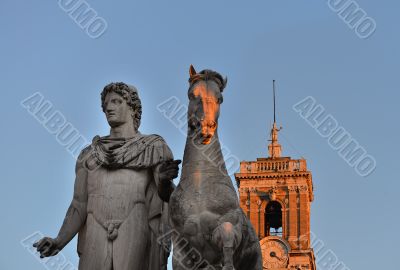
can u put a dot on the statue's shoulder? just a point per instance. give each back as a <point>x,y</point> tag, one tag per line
<point>154,140</point>
<point>86,154</point>
<point>157,145</point>
<point>89,148</point>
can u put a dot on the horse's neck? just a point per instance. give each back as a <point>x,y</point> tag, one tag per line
<point>206,158</point>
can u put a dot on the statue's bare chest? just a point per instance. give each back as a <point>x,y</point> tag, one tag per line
<point>119,185</point>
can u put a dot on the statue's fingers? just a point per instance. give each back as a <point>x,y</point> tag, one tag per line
<point>172,166</point>
<point>42,243</point>
<point>38,243</point>
<point>47,251</point>
<point>171,162</point>
<point>51,252</point>
<point>177,161</point>
<point>42,254</point>
<point>55,252</point>
<point>171,172</point>
<point>174,171</point>
<point>171,169</point>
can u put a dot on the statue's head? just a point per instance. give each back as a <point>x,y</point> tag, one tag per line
<point>121,103</point>
<point>205,97</point>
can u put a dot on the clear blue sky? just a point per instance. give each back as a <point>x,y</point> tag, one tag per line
<point>304,45</point>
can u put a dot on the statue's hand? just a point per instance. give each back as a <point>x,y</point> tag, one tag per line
<point>47,247</point>
<point>169,170</point>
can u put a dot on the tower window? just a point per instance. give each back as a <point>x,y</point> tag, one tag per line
<point>273,219</point>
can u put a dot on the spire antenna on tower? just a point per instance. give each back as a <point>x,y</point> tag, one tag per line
<point>274,148</point>
<point>273,90</point>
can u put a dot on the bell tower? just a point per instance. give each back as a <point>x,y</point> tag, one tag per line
<point>276,194</point>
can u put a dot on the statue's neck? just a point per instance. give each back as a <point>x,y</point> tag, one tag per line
<point>126,130</point>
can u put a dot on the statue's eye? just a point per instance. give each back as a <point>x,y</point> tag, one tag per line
<point>116,101</point>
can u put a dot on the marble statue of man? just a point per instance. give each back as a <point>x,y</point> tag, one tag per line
<point>123,183</point>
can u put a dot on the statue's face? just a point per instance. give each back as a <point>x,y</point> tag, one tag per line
<point>117,111</point>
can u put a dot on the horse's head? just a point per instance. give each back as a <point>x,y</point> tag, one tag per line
<point>205,97</point>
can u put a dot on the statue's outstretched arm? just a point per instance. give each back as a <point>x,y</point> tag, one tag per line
<point>76,214</point>
<point>75,218</point>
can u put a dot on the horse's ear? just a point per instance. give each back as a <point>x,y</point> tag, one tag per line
<point>224,83</point>
<point>192,71</point>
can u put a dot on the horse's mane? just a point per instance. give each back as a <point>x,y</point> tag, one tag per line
<point>209,75</point>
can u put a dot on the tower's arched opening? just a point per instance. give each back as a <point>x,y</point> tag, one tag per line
<point>273,219</point>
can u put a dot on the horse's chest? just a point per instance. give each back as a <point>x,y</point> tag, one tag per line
<point>187,201</point>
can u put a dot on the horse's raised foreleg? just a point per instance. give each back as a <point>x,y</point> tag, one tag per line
<point>227,237</point>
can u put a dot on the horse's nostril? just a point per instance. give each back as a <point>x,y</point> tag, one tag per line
<point>207,135</point>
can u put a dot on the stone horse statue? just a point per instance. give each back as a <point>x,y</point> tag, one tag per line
<point>212,231</point>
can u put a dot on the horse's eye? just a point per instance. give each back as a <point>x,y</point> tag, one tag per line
<point>212,125</point>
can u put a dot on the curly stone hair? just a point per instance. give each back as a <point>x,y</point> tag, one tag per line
<point>130,94</point>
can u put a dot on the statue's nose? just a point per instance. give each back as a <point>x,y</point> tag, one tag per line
<point>109,109</point>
